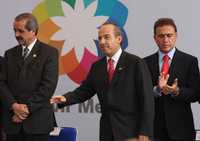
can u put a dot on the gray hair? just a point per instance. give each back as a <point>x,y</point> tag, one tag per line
<point>31,21</point>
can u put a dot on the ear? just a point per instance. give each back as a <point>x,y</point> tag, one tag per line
<point>176,34</point>
<point>154,37</point>
<point>119,39</point>
<point>33,32</point>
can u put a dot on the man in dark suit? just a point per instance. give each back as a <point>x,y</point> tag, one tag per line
<point>125,97</point>
<point>198,91</point>
<point>175,78</point>
<point>29,78</point>
<point>1,126</point>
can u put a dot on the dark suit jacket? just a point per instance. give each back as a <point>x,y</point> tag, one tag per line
<point>198,91</point>
<point>30,82</point>
<point>176,111</point>
<point>1,61</point>
<point>127,105</point>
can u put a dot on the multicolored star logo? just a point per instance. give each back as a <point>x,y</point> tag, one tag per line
<point>72,27</point>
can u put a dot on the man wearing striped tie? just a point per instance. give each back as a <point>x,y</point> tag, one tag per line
<point>28,80</point>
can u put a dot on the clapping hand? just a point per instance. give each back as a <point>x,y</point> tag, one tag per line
<point>162,81</point>
<point>173,89</point>
<point>165,88</point>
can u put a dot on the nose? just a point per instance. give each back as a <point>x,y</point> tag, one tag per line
<point>101,41</point>
<point>17,33</point>
<point>165,38</point>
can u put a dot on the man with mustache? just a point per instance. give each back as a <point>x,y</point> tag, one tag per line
<point>28,80</point>
<point>124,89</point>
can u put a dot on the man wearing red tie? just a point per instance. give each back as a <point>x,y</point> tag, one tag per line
<point>123,85</point>
<point>175,78</point>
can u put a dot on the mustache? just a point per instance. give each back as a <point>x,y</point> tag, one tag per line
<point>104,45</point>
<point>19,38</point>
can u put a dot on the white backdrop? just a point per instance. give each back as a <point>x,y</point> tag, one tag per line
<point>139,29</point>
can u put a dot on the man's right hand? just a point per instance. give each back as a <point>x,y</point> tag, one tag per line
<point>16,119</point>
<point>21,110</point>
<point>57,99</point>
<point>162,81</point>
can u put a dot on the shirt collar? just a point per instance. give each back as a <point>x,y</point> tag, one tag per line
<point>116,56</point>
<point>170,54</point>
<point>31,45</point>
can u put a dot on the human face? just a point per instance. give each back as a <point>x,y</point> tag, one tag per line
<point>108,41</point>
<point>165,38</point>
<point>22,35</point>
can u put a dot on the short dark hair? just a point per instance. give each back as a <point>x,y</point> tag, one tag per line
<point>31,24</point>
<point>117,29</point>
<point>164,21</point>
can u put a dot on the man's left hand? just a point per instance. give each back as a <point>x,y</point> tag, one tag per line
<point>143,138</point>
<point>16,119</point>
<point>167,89</point>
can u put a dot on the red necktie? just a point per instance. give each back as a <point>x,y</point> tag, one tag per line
<point>110,69</point>
<point>165,66</point>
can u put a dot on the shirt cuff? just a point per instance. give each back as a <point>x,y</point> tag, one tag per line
<point>156,91</point>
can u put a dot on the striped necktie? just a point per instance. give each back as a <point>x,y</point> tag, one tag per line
<point>25,52</point>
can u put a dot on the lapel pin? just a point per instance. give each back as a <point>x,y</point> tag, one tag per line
<point>34,55</point>
<point>120,68</point>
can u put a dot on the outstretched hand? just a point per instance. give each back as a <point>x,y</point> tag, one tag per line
<point>57,99</point>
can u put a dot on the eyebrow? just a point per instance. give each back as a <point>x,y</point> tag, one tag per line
<point>165,34</point>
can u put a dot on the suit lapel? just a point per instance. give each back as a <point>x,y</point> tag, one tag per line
<point>18,57</point>
<point>121,65</point>
<point>153,65</point>
<point>173,66</point>
<point>33,54</point>
<point>103,77</point>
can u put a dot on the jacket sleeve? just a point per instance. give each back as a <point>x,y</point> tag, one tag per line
<point>6,95</point>
<point>42,94</point>
<point>188,90</point>
<point>144,89</point>
<point>84,92</point>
